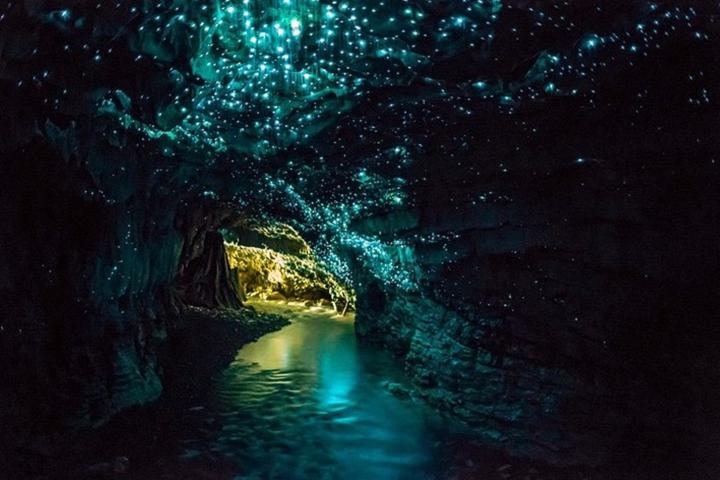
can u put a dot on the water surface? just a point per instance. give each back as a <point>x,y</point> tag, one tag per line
<point>308,402</point>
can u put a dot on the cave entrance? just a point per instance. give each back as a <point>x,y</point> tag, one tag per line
<point>272,262</point>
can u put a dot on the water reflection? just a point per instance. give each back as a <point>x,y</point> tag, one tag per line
<point>307,403</point>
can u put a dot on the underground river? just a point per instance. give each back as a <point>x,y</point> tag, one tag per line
<point>308,402</point>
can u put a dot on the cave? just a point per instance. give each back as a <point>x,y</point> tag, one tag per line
<point>319,239</point>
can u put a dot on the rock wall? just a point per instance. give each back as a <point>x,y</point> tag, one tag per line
<point>570,324</point>
<point>96,272</point>
<point>81,329</point>
<point>567,310</point>
<point>102,226</point>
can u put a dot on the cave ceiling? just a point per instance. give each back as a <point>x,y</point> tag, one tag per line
<point>322,113</point>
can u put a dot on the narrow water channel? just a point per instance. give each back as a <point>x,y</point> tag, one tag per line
<point>308,402</point>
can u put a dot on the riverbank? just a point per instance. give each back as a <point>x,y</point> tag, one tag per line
<point>137,443</point>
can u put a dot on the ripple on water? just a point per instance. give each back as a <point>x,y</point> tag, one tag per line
<point>307,403</point>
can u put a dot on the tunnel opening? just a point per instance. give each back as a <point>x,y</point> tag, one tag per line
<point>272,261</point>
<point>228,260</point>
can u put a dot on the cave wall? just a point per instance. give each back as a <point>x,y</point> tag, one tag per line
<point>98,267</point>
<point>82,285</point>
<point>103,229</point>
<point>576,338</point>
<point>569,313</point>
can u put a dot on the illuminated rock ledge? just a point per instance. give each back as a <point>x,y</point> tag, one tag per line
<point>290,271</point>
